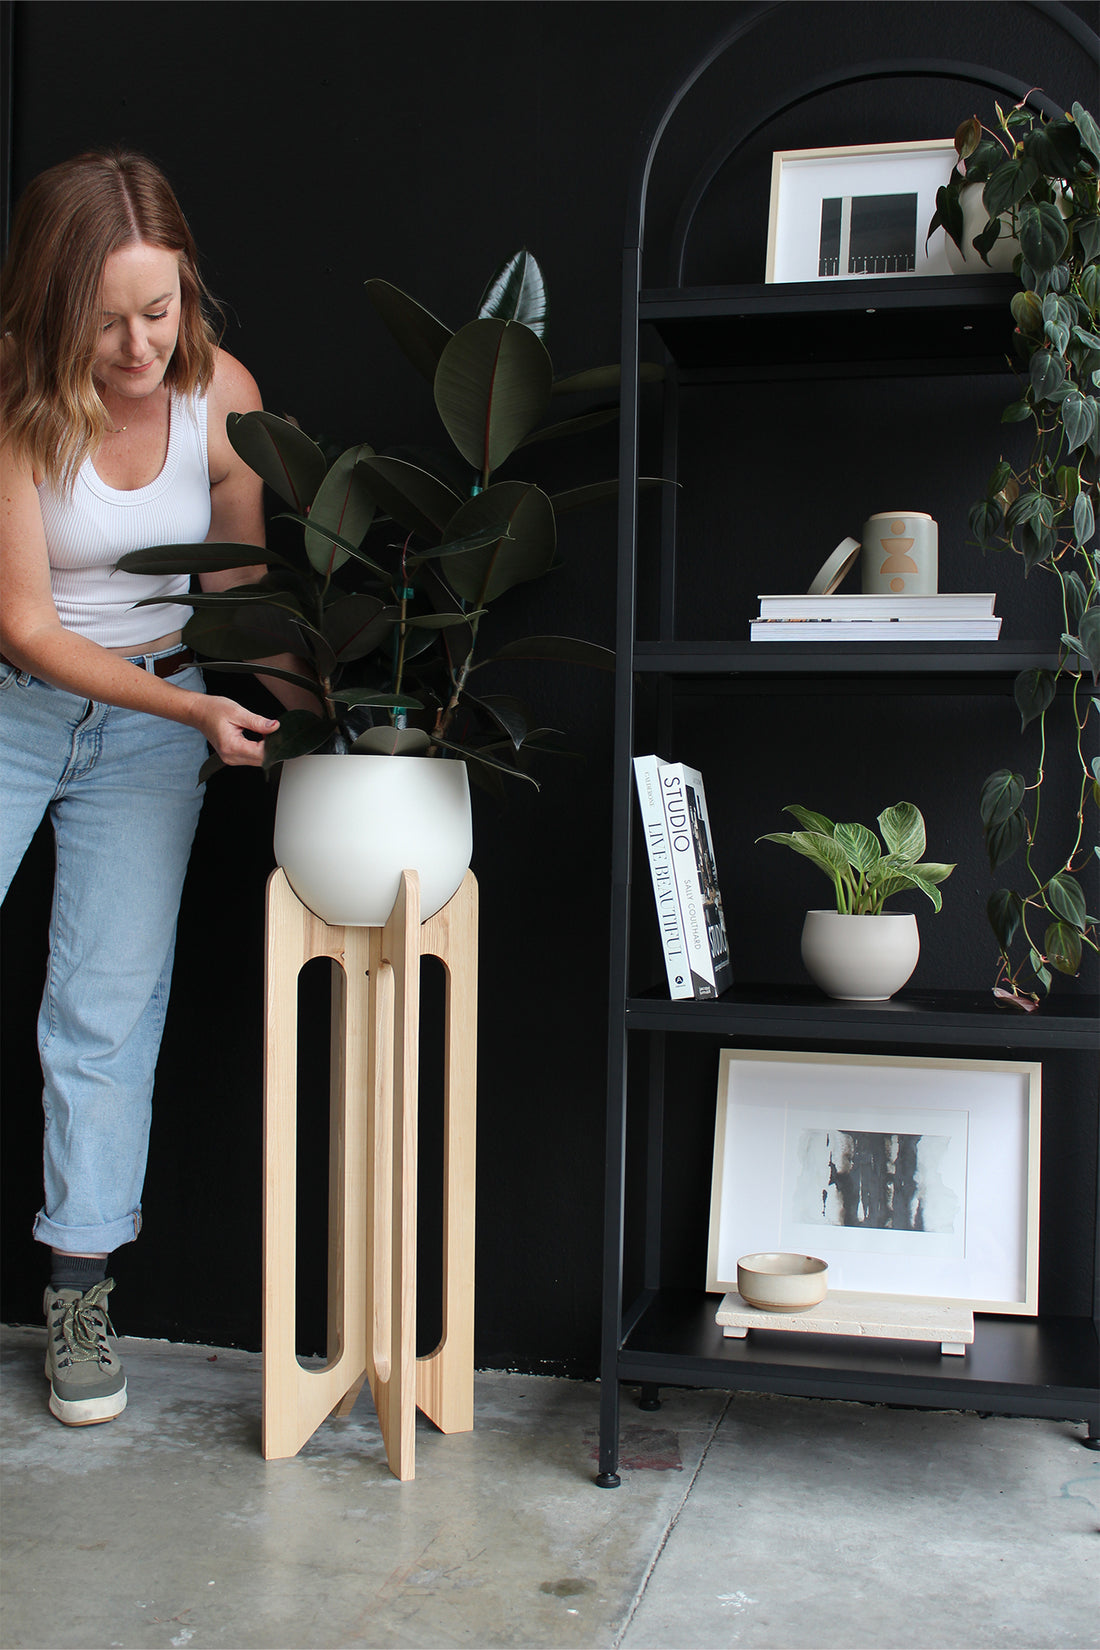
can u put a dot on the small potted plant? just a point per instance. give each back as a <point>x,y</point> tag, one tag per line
<point>859,952</point>
<point>1040,178</point>
<point>384,601</point>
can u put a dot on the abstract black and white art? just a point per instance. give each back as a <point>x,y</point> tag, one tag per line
<point>868,1177</point>
<point>915,1178</point>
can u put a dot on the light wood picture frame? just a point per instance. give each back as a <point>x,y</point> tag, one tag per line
<point>913,1177</point>
<point>859,212</point>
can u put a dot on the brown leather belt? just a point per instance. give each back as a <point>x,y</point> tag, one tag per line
<point>169,664</point>
<point>172,663</point>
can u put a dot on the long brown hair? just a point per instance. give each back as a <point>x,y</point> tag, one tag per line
<point>68,222</point>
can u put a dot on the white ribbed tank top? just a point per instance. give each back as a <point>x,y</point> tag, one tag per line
<point>88,529</point>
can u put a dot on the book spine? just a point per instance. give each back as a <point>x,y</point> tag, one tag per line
<point>696,880</point>
<point>874,630</point>
<point>659,851</point>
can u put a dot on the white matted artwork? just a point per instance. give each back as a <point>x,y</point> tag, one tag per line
<point>912,1177</point>
<point>859,212</point>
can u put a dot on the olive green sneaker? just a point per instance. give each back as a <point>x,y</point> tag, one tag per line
<point>87,1382</point>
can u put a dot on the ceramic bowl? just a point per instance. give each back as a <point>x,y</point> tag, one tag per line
<point>782,1283</point>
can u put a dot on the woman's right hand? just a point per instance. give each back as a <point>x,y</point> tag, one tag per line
<point>227,726</point>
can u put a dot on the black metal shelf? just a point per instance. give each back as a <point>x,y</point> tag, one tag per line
<point>1045,1366</point>
<point>956,1019</point>
<point>1000,659</point>
<point>898,327</point>
<point>920,324</point>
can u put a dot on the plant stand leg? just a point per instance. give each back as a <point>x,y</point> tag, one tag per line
<point>372,1172</point>
<point>445,1377</point>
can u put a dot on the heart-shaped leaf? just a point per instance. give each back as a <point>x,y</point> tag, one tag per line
<point>1033,690</point>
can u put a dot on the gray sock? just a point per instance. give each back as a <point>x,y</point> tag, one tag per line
<point>77,1271</point>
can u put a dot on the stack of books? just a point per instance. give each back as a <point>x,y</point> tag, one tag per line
<point>961,616</point>
<point>694,942</point>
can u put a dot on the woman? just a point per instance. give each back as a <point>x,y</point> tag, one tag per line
<point>112,437</point>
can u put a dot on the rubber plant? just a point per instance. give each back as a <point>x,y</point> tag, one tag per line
<point>424,550</point>
<point>1039,181</point>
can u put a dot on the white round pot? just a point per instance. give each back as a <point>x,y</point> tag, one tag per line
<point>860,959</point>
<point>965,260</point>
<point>347,826</point>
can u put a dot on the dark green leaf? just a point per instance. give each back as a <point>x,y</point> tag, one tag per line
<point>324,534</point>
<point>299,733</point>
<point>1062,945</point>
<point>1005,910</point>
<point>1076,595</point>
<point>1002,841</point>
<point>344,506</point>
<point>606,378</point>
<point>443,621</point>
<point>414,328</point>
<point>571,426</point>
<point>356,625</point>
<point>986,519</point>
<point>480,540</point>
<point>1088,285</point>
<point>1016,413</point>
<point>1034,690</point>
<point>948,215</point>
<point>480,575</point>
<point>283,455</point>
<point>1087,230</point>
<point>197,558</point>
<point>411,495</point>
<point>492,386</point>
<point>1084,522</point>
<point>517,292</point>
<point>251,633</point>
<point>365,696</point>
<point>1027,312</point>
<point>1043,235</point>
<point>563,649</point>
<point>1079,415</point>
<point>1089,632</point>
<point>1008,185</point>
<point>470,753</point>
<point>238,667</point>
<point>1047,373</point>
<point>1066,899</point>
<point>1000,796</point>
<point>1087,130</point>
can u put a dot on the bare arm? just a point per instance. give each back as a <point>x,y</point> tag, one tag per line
<point>33,638</point>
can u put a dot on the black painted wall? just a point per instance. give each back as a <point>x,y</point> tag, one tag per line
<point>314,145</point>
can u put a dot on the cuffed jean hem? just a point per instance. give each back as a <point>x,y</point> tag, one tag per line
<point>87,1240</point>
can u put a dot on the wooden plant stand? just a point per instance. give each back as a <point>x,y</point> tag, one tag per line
<point>372,1172</point>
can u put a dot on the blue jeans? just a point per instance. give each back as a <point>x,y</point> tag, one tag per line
<point>121,790</point>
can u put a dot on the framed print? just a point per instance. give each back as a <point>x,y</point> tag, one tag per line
<point>916,1178</point>
<point>857,212</point>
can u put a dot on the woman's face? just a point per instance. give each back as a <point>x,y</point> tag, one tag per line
<point>140,297</point>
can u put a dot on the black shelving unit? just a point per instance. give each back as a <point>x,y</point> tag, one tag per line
<point>1045,1366</point>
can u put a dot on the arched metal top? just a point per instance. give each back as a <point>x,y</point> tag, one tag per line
<point>886,69</point>
<point>1058,14</point>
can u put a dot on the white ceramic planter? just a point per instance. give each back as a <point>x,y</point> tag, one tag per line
<point>975,217</point>
<point>347,826</point>
<point>860,959</point>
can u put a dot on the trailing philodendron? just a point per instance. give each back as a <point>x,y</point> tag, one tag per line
<point>1042,175</point>
<point>851,856</point>
<point>423,553</point>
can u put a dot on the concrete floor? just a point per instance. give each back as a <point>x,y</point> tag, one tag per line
<point>741,1520</point>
